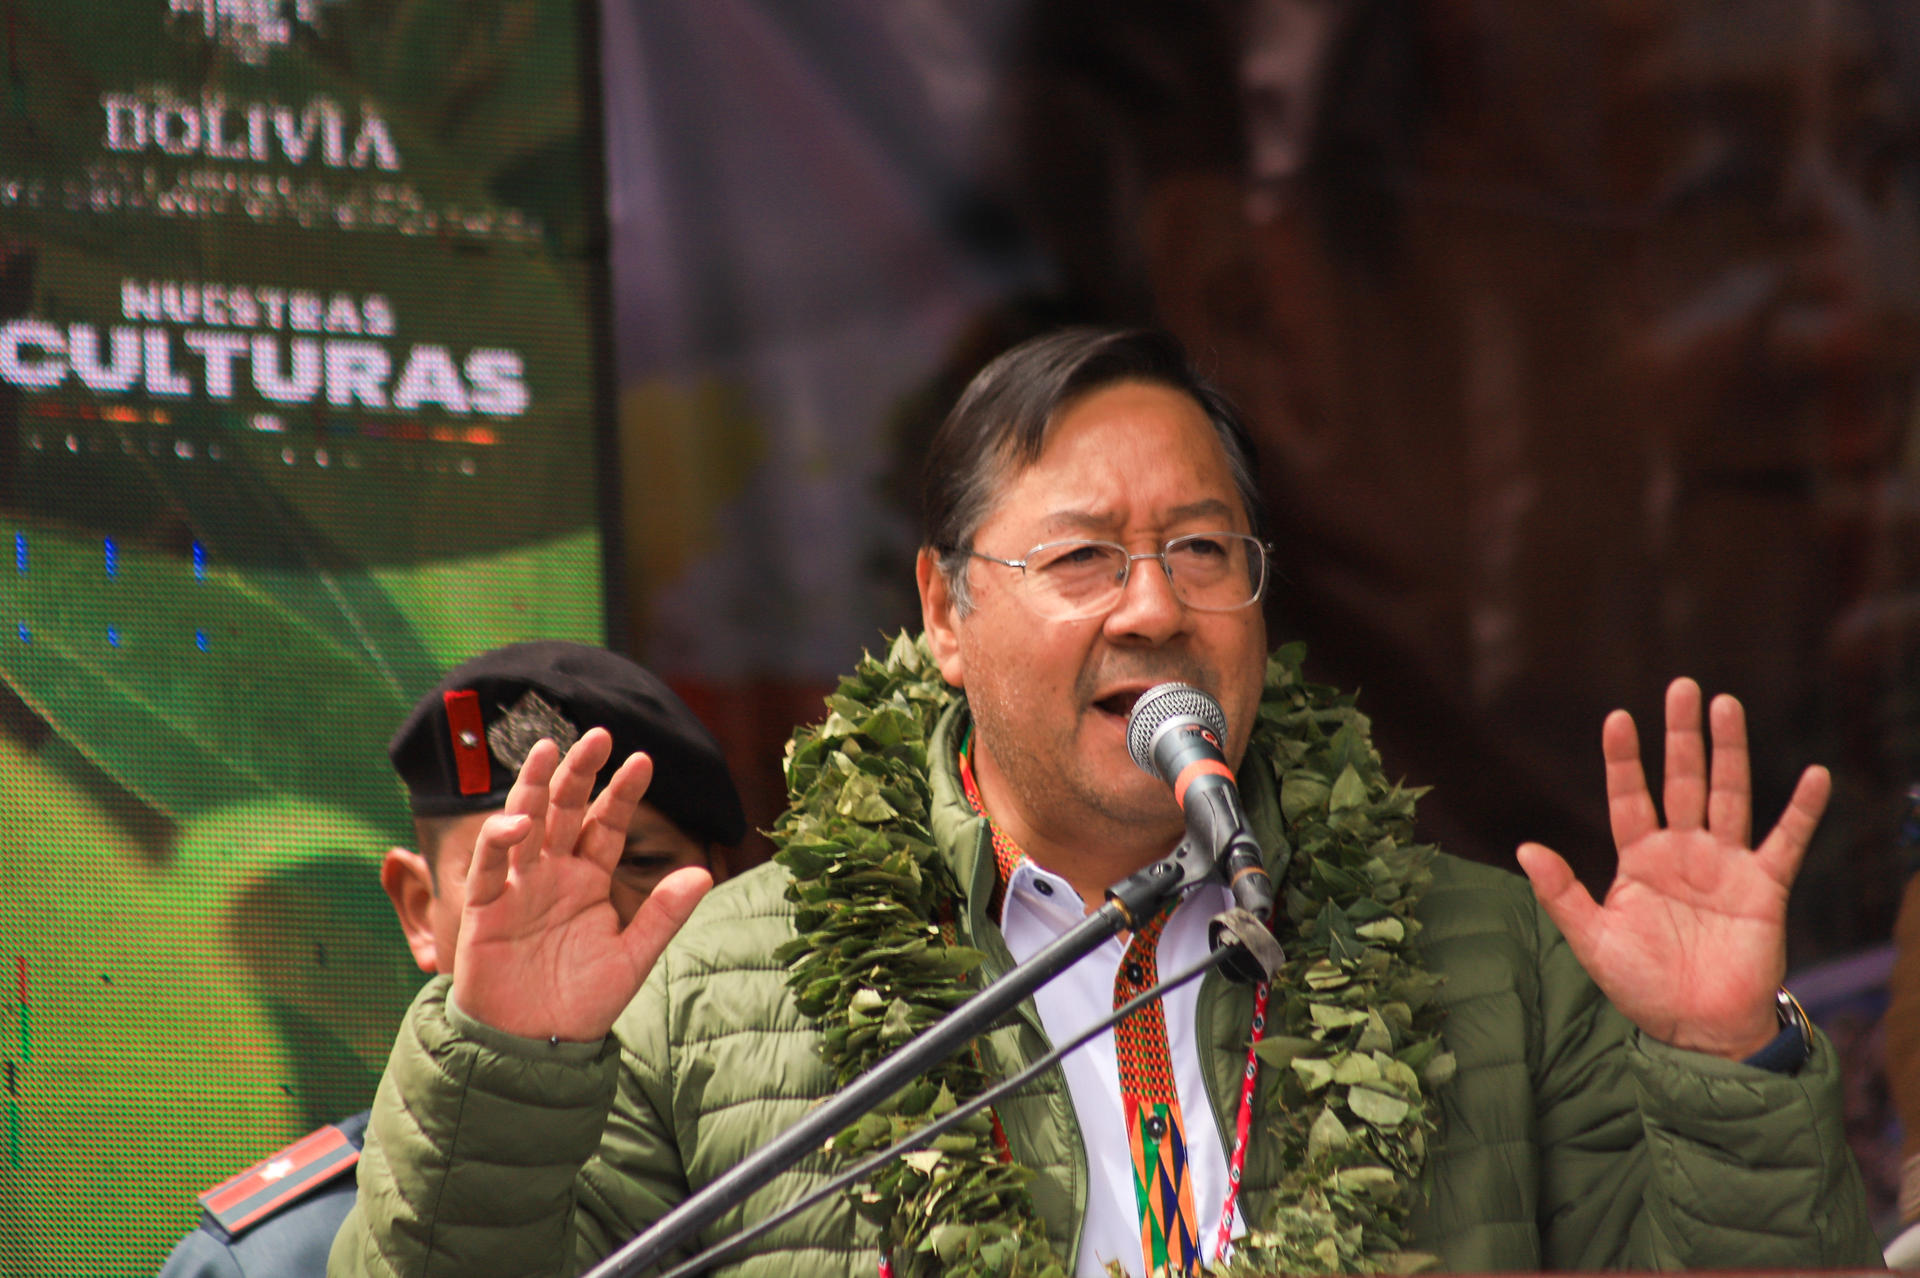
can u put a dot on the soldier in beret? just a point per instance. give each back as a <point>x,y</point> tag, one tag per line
<point>458,753</point>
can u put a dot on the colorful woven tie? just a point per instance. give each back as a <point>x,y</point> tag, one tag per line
<point>1156,1132</point>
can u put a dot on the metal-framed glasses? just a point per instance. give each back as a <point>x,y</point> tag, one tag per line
<point>1208,571</point>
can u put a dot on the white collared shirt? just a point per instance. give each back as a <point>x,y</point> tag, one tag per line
<point>1039,907</point>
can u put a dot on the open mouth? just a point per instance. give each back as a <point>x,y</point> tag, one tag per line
<point>1119,704</point>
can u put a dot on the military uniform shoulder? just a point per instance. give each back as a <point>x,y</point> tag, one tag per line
<point>284,1178</point>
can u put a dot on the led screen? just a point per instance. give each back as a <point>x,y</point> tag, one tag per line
<point>297,407</point>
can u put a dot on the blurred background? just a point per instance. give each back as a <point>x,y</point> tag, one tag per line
<point>1579,340</point>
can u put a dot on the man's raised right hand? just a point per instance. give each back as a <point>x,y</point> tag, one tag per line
<point>541,951</point>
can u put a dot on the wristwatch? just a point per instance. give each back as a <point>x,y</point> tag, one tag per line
<point>1793,1044</point>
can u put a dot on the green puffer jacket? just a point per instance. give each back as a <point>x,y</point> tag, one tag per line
<point>1566,1141</point>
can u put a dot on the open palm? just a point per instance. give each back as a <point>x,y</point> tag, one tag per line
<point>1690,943</point>
<point>542,951</point>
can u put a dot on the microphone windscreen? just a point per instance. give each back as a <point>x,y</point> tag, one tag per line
<point>1161,704</point>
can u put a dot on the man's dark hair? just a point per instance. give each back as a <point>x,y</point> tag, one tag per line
<point>1007,412</point>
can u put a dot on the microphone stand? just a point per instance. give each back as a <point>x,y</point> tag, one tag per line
<point>1129,904</point>
<point>947,1121</point>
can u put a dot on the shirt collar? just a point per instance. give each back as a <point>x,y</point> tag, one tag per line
<point>1008,859</point>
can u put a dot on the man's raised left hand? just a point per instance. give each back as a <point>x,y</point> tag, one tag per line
<point>1690,943</point>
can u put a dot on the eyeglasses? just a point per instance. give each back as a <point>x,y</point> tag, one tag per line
<point>1209,572</point>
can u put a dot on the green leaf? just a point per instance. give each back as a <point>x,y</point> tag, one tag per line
<point>1388,929</point>
<point>1373,1182</point>
<point>1377,1108</point>
<point>1350,744</point>
<point>904,653</point>
<point>946,1241</point>
<point>276,704</point>
<point>1300,794</point>
<point>1326,976</point>
<point>1334,1018</point>
<point>860,799</point>
<point>887,727</point>
<point>899,1024</point>
<point>1327,1134</point>
<point>950,963</point>
<point>1401,1076</point>
<point>1356,1067</point>
<point>1349,792</point>
<point>1314,1072</point>
<point>1279,1050</point>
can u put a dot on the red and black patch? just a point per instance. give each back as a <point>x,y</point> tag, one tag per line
<point>282,1179</point>
<point>468,732</point>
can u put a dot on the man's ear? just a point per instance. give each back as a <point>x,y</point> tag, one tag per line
<point>408,880</point>
<point>940,614</point>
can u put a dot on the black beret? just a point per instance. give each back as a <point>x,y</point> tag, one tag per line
<point>461,747</point>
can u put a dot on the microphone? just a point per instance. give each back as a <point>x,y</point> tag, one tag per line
<point>1178,733</point>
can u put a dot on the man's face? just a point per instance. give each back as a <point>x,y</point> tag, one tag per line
<point>430,908</point>
<point>1135,464</point>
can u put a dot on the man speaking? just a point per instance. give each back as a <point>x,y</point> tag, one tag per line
<point>1450,1068</point>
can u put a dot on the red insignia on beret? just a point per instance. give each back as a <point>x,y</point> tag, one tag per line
<point>469,736</point>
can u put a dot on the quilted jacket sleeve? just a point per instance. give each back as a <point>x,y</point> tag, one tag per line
<point>634,1177</point>
<point>490,1154</point>
<point>1653,1157</point>
<point>715,1060</point>
<point>1570,1142</point>
<point>1749,1168</point>
<point>476,1142</point>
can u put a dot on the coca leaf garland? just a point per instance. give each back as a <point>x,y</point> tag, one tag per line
<point>1353,1048</point>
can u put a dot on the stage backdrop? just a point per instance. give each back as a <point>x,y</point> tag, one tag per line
<point>297,407</point>
<point>1580,342</point>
